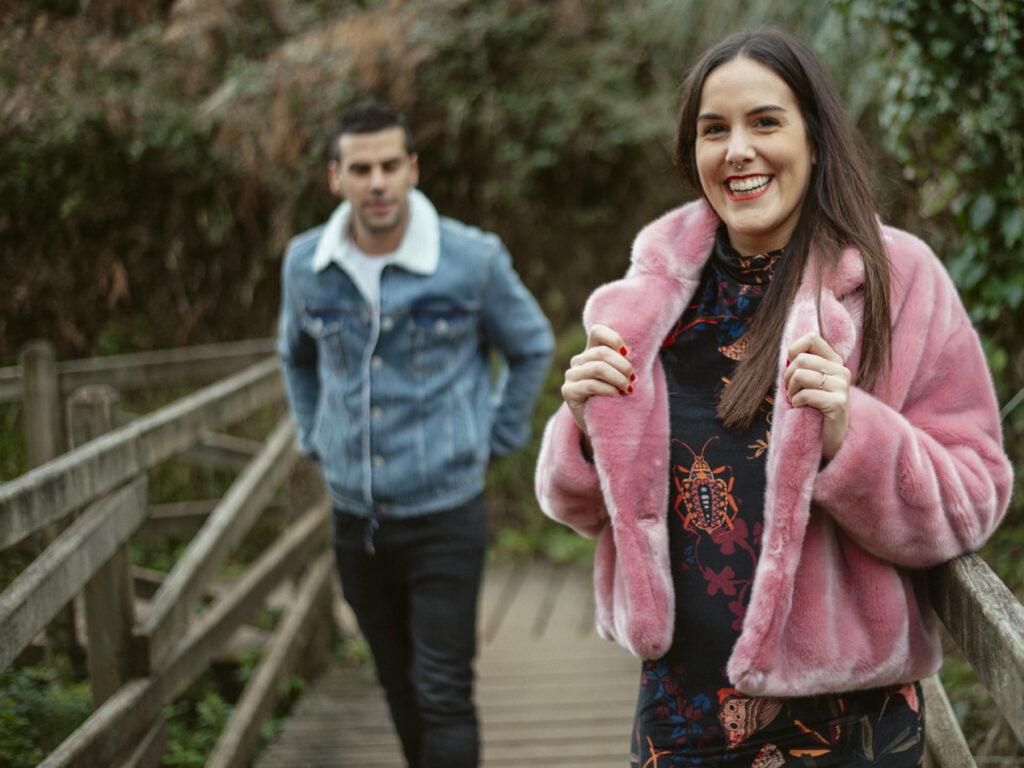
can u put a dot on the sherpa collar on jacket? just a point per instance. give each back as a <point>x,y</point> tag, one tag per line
<point>418,252</point>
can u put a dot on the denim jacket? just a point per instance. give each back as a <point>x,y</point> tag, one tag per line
<point>400,405</point>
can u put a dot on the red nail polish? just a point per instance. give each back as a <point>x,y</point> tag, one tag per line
<point>632,377</point>
<point>630,389</point>
<point>787,362</point>
<point>622,351</point>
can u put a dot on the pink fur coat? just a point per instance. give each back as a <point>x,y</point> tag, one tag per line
<point>838,600</point>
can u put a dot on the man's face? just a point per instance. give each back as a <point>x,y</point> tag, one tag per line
<point>375,174</point>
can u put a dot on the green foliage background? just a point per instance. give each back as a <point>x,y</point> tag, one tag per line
<point>157,155</point>
<point>37,712</point>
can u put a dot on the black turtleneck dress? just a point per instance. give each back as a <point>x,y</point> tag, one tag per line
<point>687,712</point>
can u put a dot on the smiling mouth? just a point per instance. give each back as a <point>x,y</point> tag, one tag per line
<point>748,186</point>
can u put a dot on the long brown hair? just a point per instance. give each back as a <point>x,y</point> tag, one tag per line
<point>837,212</point>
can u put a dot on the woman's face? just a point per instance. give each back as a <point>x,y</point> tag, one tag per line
<point>753,155</point>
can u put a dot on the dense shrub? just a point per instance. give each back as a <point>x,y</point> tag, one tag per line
<point>158,156</point>
<point>951,111</point>
<point>38,710</point>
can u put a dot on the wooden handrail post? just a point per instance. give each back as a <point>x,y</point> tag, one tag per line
<point>40,396</point>
<point>40,399</point>
<point>110,594</point>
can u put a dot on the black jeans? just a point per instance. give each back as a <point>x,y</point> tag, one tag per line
<point>413,585</point>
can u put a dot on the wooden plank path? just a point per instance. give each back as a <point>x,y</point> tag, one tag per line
<point>549,691</point>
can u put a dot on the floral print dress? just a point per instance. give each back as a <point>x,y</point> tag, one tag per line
<point>687,712</point>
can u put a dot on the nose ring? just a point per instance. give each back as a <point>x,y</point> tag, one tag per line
<point>737,166</point>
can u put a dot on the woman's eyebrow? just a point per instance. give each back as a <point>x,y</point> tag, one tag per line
<point>750,113</point>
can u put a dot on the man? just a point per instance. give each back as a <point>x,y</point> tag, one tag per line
<point>389,316</point>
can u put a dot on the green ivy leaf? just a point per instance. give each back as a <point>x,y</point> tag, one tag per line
<point>1011,225</point>
<point>982,211</point>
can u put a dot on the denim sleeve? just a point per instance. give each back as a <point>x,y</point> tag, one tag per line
<point>515,324</point>
<point>298,355</point>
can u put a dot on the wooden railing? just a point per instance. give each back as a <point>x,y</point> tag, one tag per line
<point>986,620</point>
<point>202,363</point>
<point>92,500</point>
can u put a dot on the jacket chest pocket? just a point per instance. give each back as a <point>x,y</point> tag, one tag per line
<point>438,338</point>
<point>333,333</point>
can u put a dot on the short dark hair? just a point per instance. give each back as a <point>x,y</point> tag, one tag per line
<point>368,116</point>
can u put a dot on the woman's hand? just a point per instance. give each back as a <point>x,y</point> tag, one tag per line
<point>816,377</point>
<point>601,369</point>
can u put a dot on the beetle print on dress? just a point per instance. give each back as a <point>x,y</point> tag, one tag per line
<point>706,497</point>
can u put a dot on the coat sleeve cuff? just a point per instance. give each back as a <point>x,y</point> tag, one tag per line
<point>566,483</point>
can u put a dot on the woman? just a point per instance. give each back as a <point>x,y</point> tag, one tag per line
<point>781,416</point>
